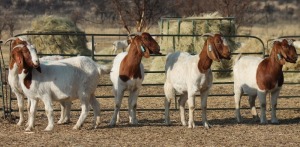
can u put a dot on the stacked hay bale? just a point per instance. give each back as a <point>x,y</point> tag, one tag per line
<point>190,44</point>
<point>195,44</point>
<point>57,44</point>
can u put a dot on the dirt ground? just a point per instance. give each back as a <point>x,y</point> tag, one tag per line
<point>151,130</point>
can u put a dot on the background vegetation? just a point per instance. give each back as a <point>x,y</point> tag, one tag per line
<point>264,19</point>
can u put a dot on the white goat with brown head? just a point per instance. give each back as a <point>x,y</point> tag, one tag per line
<point>256,76</point>
<point>128,73</point>
<point>51,81</point>
<point>188,74</point>
<point>13,80</point>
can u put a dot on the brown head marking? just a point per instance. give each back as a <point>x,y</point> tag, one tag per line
<point>141,46</point>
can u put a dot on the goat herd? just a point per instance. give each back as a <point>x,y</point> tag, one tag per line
<point>64,80</point>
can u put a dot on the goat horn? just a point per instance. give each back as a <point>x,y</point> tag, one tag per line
<point>19,45</point>
<point>278,39</point>
<point>208,34</point>
<point>10,39</point>
<point>137,33</point>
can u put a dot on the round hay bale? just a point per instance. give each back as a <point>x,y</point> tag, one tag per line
<point>57,44</point>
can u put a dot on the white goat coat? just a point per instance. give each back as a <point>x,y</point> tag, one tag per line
<point>244,71</point>
<point>64,80</point>
<point>13,80</point>
<point>183,74</point>
<point>67,78</point>
<point>245,74</point>
<point>119,86</point>
<point>131,84</point>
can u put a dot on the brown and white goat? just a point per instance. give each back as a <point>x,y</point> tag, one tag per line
<point>128,73</point>
<point>187,74</point>
<point>13,80</point>
<point>53,83</point>
<point>257,77</point>
<point>18,46</point>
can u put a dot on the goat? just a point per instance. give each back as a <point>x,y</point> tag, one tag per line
<point>13,81</point>
<point>54,82</point>
<point>65,115</point>
<point>120,44</point>
<point>257,77</point>
<point>128,73</point>
<point>188,74</point>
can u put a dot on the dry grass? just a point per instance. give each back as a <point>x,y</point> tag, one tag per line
<point>57,44</point>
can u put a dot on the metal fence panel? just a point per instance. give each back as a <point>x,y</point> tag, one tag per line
<point>103,40</point>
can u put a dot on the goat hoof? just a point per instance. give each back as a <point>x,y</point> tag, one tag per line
<point>206,125</point>
<point>20,123</point>
<point>184,123</point>
<point>59,122</point>
<point>64,122</point>
<point>28,129</point>
<point>191,125</point>
<point>49,128</point>
<point>76,127</point>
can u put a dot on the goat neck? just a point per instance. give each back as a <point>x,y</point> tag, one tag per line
<point>269,71</point>
<point>130,65</point>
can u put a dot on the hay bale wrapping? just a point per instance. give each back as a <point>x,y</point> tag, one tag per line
<point>57,44</point>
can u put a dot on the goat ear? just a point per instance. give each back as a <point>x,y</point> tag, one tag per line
<point>146,53</point>
<point>278,51</point>
<point>20,63</point>
<point>211,49</point>
<point>280,59</point>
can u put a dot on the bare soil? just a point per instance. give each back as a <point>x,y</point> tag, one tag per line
<point>151,130</point>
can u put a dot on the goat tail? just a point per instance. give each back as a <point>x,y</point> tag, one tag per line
<point>237,58</point>
<point>103,69</point>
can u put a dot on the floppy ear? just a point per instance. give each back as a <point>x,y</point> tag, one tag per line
<point>142,49</point>
<point>146,53</point>
<point>211,49</point>
<point>20,62</point>
<point>279,55</point>
<point>281,59</point>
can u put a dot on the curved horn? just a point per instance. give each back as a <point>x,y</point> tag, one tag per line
<point>134,34</point>
<point>277,39</point>
<point>19,45</point>
<point>208,34</point>
<point>10,39</point>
